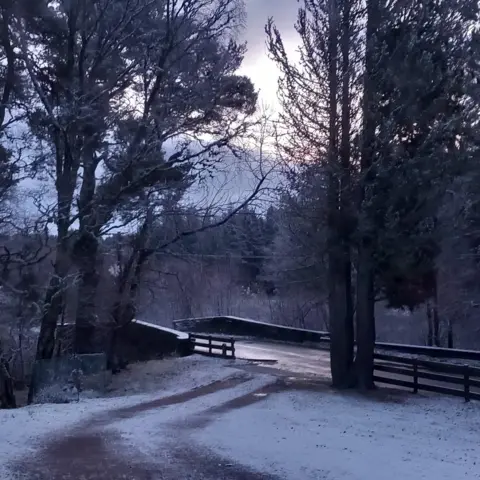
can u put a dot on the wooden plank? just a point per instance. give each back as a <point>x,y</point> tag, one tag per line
<point>395,359</point>
<point>394,369</point>
<point>218,345</point>
<point>215,348</point>
<point>438,389</point>
<point>474,383</point>
<point>437,366</point>
<point>440,377</point>
<point>214,345</point>
<point>438,352</point>
<point>213,354</point>
<point>200,336</point>
<point>425,387</point>
<point>466,383</point>
<point>393,381</point>
<point>415,378</point>
<point>214,338</point>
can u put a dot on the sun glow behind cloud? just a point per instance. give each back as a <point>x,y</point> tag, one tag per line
<point>257,65</point>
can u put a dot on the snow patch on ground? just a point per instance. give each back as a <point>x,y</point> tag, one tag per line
<point>338,437</point>
<point>22,430</point>
<point>171,375</point>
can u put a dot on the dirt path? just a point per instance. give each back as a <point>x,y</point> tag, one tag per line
<point>92,451</point>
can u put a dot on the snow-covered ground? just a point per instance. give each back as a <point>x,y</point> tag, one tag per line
<point>325,435</point>
<point>292,434</point>
<point>23,430</point>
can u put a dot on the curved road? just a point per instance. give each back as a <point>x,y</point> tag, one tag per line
<point>285,357</point>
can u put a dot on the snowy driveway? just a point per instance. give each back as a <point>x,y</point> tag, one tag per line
<point>216,420</point>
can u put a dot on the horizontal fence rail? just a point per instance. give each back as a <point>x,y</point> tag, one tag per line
<point>448,379</point>
<point>214,346</point>
<point>244,327</point>
<point>436,352</point>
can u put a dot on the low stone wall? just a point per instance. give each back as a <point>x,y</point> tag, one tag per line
<point>141,341</point>
<point>137,341</point>
<point>249,328</point>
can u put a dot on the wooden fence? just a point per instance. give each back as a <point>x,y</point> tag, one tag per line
<point>446,378</point>
<point>215,346</point>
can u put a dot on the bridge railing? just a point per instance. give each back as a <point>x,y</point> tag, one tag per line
<point>229,325</point>
<point>214,346</point>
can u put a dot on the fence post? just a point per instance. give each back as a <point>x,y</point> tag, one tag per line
<point>210,345</point>
<point>415,377</point>
<point>466,382</point>
<point>233,346</point>
<point>224,350</point>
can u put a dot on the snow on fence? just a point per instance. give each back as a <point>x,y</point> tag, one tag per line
<point>439,377</point>
<point>229,325</point>
<point>212,346</point>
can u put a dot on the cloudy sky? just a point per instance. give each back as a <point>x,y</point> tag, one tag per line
<point>257,65</point>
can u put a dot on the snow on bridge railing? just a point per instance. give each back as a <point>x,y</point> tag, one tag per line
<point>249,328</point>
<point>230,325</point>
<point>179,334</point>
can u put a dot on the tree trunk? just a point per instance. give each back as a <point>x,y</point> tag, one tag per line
<point>124,309</point>
<point>436,316</point>
<point>365,319</point>
<point>341,325</point>
<point>450,333</point>
<point>341,334</point>
<point>365,311</point>
<point>346,204</point>
<point>7,395</point>
<point>429,323</point>
<point>86,254</point>
<point>53,305</point>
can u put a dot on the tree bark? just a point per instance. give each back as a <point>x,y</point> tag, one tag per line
<point>341,346</point>
<point>128,282</point>
<point>365,311</point>
<point>430,323</point>
<point>53,304</point>
<point>450,334</point>
<point>436,316</point>
<point>86,254</point>
<point>347,216</point>
<point>365,319</point>
<point>7,395</point>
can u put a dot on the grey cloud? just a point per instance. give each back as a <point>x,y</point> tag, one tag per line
<point>284,13</point>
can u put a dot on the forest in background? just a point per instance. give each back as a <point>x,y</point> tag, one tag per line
<point>140,177</point>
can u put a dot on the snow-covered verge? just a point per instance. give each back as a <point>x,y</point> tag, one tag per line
<point>23,429</point>
<point>171,375</point>
<point>306,435</point>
